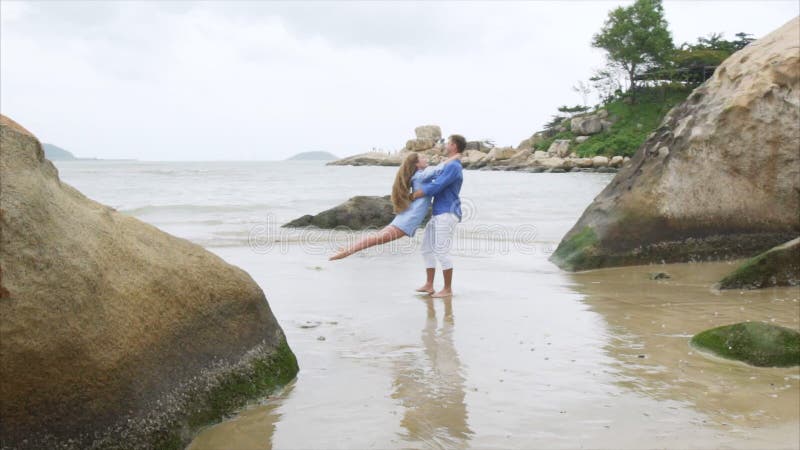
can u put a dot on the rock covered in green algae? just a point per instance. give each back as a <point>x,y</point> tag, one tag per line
<point>756,343</point>
<point>778,266</point>
<point>114,334</point>
<point>357,213</point>
<point>712,181</point>
<point>659,276</point>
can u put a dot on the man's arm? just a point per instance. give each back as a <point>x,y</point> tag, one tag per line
<point>449,174</point>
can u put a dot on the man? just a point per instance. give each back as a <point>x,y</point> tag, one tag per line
<point>444,189</point>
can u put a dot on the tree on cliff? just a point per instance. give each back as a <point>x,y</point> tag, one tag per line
<point>636,38</point>
<point>692,64</point>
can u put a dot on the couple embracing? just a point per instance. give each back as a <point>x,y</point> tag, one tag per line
<point>416,185</point>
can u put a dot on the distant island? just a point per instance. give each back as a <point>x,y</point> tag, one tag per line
<point>56,153</point>
<point>313,156</point>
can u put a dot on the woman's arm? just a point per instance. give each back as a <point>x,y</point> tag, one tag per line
<point>428,173</point>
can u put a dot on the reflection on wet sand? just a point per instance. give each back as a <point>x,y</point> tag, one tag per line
<point>652,321</point>
<point>430,387</point>
<point>251,429</point>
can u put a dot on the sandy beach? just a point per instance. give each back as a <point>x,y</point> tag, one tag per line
<point>524,356</point>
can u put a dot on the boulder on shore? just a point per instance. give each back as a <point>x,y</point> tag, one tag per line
<point>586,125</point>
<point>599,161</point>
<point>719,179</point>
<point>479,145</point>
<point>559,148</point>
<point>756,343</point>
<point>114,333</point>
<point>778,266</point>
<point>420,144</point>
<point>357,213</point>
<point>501,153</point>
<point>471,157</point>
<point>432,132</point>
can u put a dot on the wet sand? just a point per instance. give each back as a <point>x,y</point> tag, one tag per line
<point>524,356</point>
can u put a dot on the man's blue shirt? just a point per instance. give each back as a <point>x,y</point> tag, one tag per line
<point>445,189</point>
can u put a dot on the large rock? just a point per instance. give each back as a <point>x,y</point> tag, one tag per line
<point>520,156</point>
<point>778,266</point>
<point>756,343</point>
<point>552,163</point>
<point>719,179</point>
<point>586,125</point>
<point>420,144</point>
<point>501,153</point>
<point>114,333</point>
<point>599,161</point>
<point>478,145</point>
<point>559,148</point>
<point>357,213</point>
<point>517,160</point>
<point>428,132</point>
<point>538,137</point>
<point>472,157</point>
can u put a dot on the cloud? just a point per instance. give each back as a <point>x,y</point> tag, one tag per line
<point>264,80</point>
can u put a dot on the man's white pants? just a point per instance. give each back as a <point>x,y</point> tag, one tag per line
<point>438,239</point>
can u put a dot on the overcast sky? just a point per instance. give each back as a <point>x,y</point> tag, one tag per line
<point>265,80</point>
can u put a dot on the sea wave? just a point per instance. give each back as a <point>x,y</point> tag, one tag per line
<point>193,209</point>
<point>170,172</point>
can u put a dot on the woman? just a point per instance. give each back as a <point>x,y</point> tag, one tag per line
<point>409,214</point>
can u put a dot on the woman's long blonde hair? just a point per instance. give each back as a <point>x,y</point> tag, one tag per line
<point>401,190</point>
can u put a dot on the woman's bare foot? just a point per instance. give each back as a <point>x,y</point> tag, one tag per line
<point>427,288</point>
<point>342,253</point>
<point>443,293</point>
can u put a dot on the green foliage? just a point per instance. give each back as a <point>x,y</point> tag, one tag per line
<point>694,57</point>
<point>606,83</point>
<point>744,39</point>
<point>554,122</point>
<point>572,109</point>
<point>715,41</point>
<point>640,47</point>
<point>233,391</point>
<point>636,37</point>
<point>694,63</point>
<point>634,121</point>
<point>575,251</point>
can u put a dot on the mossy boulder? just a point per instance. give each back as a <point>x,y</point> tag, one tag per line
<point>778,266</point>
<point>576,251</point>
<point>718,179</point>
<point>113,333</point>
<point>357,213</point>
<point>756,343</point>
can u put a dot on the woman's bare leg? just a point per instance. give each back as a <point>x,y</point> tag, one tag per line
<point>387,234</point>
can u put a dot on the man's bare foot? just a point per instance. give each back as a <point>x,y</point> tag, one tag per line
<point>443,293</point>
<point>428,289</point>
<point>342,253</point>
